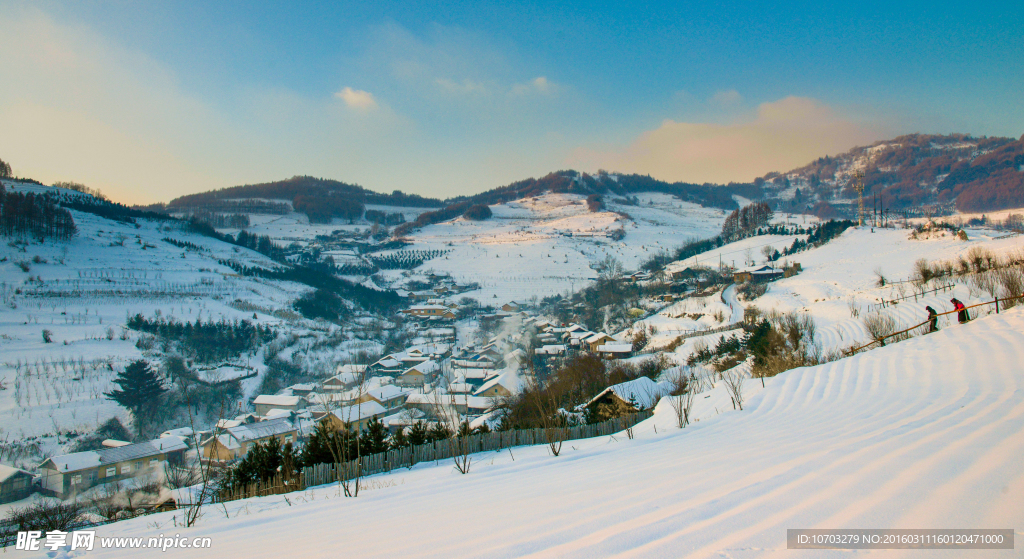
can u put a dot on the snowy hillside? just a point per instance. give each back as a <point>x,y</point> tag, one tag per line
<point>82,292</point>
<point>550,244</point>
<point>921,434</point>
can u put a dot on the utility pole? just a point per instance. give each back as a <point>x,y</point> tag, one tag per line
<point>859,187</point>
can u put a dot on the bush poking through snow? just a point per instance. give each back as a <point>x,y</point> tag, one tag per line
<point>879,325</point>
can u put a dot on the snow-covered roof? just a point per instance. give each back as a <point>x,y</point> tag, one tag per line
<point>428,308</point>
<point>403,418</point>
<point>425,367</point>
<point>183,432</point>
<point>597,337</point>
<point>277,401</point>
<point>357,412</point>
<point>278,412</point>
<point>644,391</point>
<point>93,458</point>
<point>260,430</point>
<point>388,392</point>
<point>554,349</point>
<point>7,472</point>
<point>508,378</point>
<point>615,348</point>
<point>389,362</point>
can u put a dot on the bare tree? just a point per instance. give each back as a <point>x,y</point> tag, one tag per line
<point>447,413</point>
<point>193,511</point>
<point>734,384</point>
<point>552,420</point>
<point>344,442</point>
<point>684,388</point>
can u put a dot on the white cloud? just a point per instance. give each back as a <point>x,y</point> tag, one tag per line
<point>782,135</point>
<point>357,99</point>
<point>539,85</point>
<point>77,106</point>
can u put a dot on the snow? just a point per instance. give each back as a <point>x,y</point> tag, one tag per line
<point>925,433</point>
<point>644,391</point>
<point>550,244</point>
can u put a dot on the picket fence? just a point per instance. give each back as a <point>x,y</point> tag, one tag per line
<point>322,474</point>
<point>407,457</point>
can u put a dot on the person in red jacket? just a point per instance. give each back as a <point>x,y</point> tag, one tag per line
<point>962,310</point>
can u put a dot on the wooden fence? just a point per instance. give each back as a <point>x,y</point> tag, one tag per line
<point>692,334</point>
<point>906,331</point>
<point>948,286</point>
<point>322,474</point>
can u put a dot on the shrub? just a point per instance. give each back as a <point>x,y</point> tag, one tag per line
<point>46,516</point>
<point>478,212</point>
<point>752,290</point>
<point>879,325</point>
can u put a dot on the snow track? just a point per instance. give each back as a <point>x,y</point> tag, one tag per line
<point>925,433</point>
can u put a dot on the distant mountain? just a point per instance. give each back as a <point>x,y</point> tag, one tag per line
<point>914,172</point>
<point>918,172</point>
<point>320,199</point>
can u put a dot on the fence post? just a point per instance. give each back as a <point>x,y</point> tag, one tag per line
<point>997,305</point>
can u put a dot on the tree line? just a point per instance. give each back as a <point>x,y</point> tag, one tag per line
<point>33,214</point>
<point>206,341</point>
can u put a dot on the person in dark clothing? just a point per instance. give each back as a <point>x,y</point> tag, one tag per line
<point>961,314</point>
<point>933,320</point>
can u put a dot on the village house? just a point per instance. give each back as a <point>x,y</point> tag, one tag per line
<point>389,396</point>
<point>626,397</point>
<point>419,374</point>
<point>15,484</point>
<point>265,402</point>
<point>430,404</point>
<point>302,389</point>
<point>234,442</point>
<point>70,474</point>
<point>618,350</point>
<point>757,274</point>
<point>430,311</point>
<point>355,417</point>
<point>594,341</point>
<point>346,376</point>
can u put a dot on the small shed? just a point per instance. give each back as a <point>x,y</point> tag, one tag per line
<point>15,484</point>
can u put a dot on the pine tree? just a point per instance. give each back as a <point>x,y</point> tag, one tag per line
<point>439,432</point>
<point>418,433</point>
<point>140,389</point>
<point>399,440</point>
<point>374,439</point>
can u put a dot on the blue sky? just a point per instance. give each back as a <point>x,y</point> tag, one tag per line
<point>150,100</point>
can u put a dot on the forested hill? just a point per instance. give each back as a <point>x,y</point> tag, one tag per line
<point>594,187</point>
<point>918,172</point>
<point>320,199</point>
<point>946,172</point>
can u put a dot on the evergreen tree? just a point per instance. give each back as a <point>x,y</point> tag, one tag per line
<point>374,439</point>
<point>439,432</point>
<point>399,440</point>
<point>140,389</point>
<point>418,433</point>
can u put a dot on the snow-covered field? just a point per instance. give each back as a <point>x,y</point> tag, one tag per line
<point>82,292</point>
<point>921,434</point>
<point>838,284</point>
<point>550,244</point>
